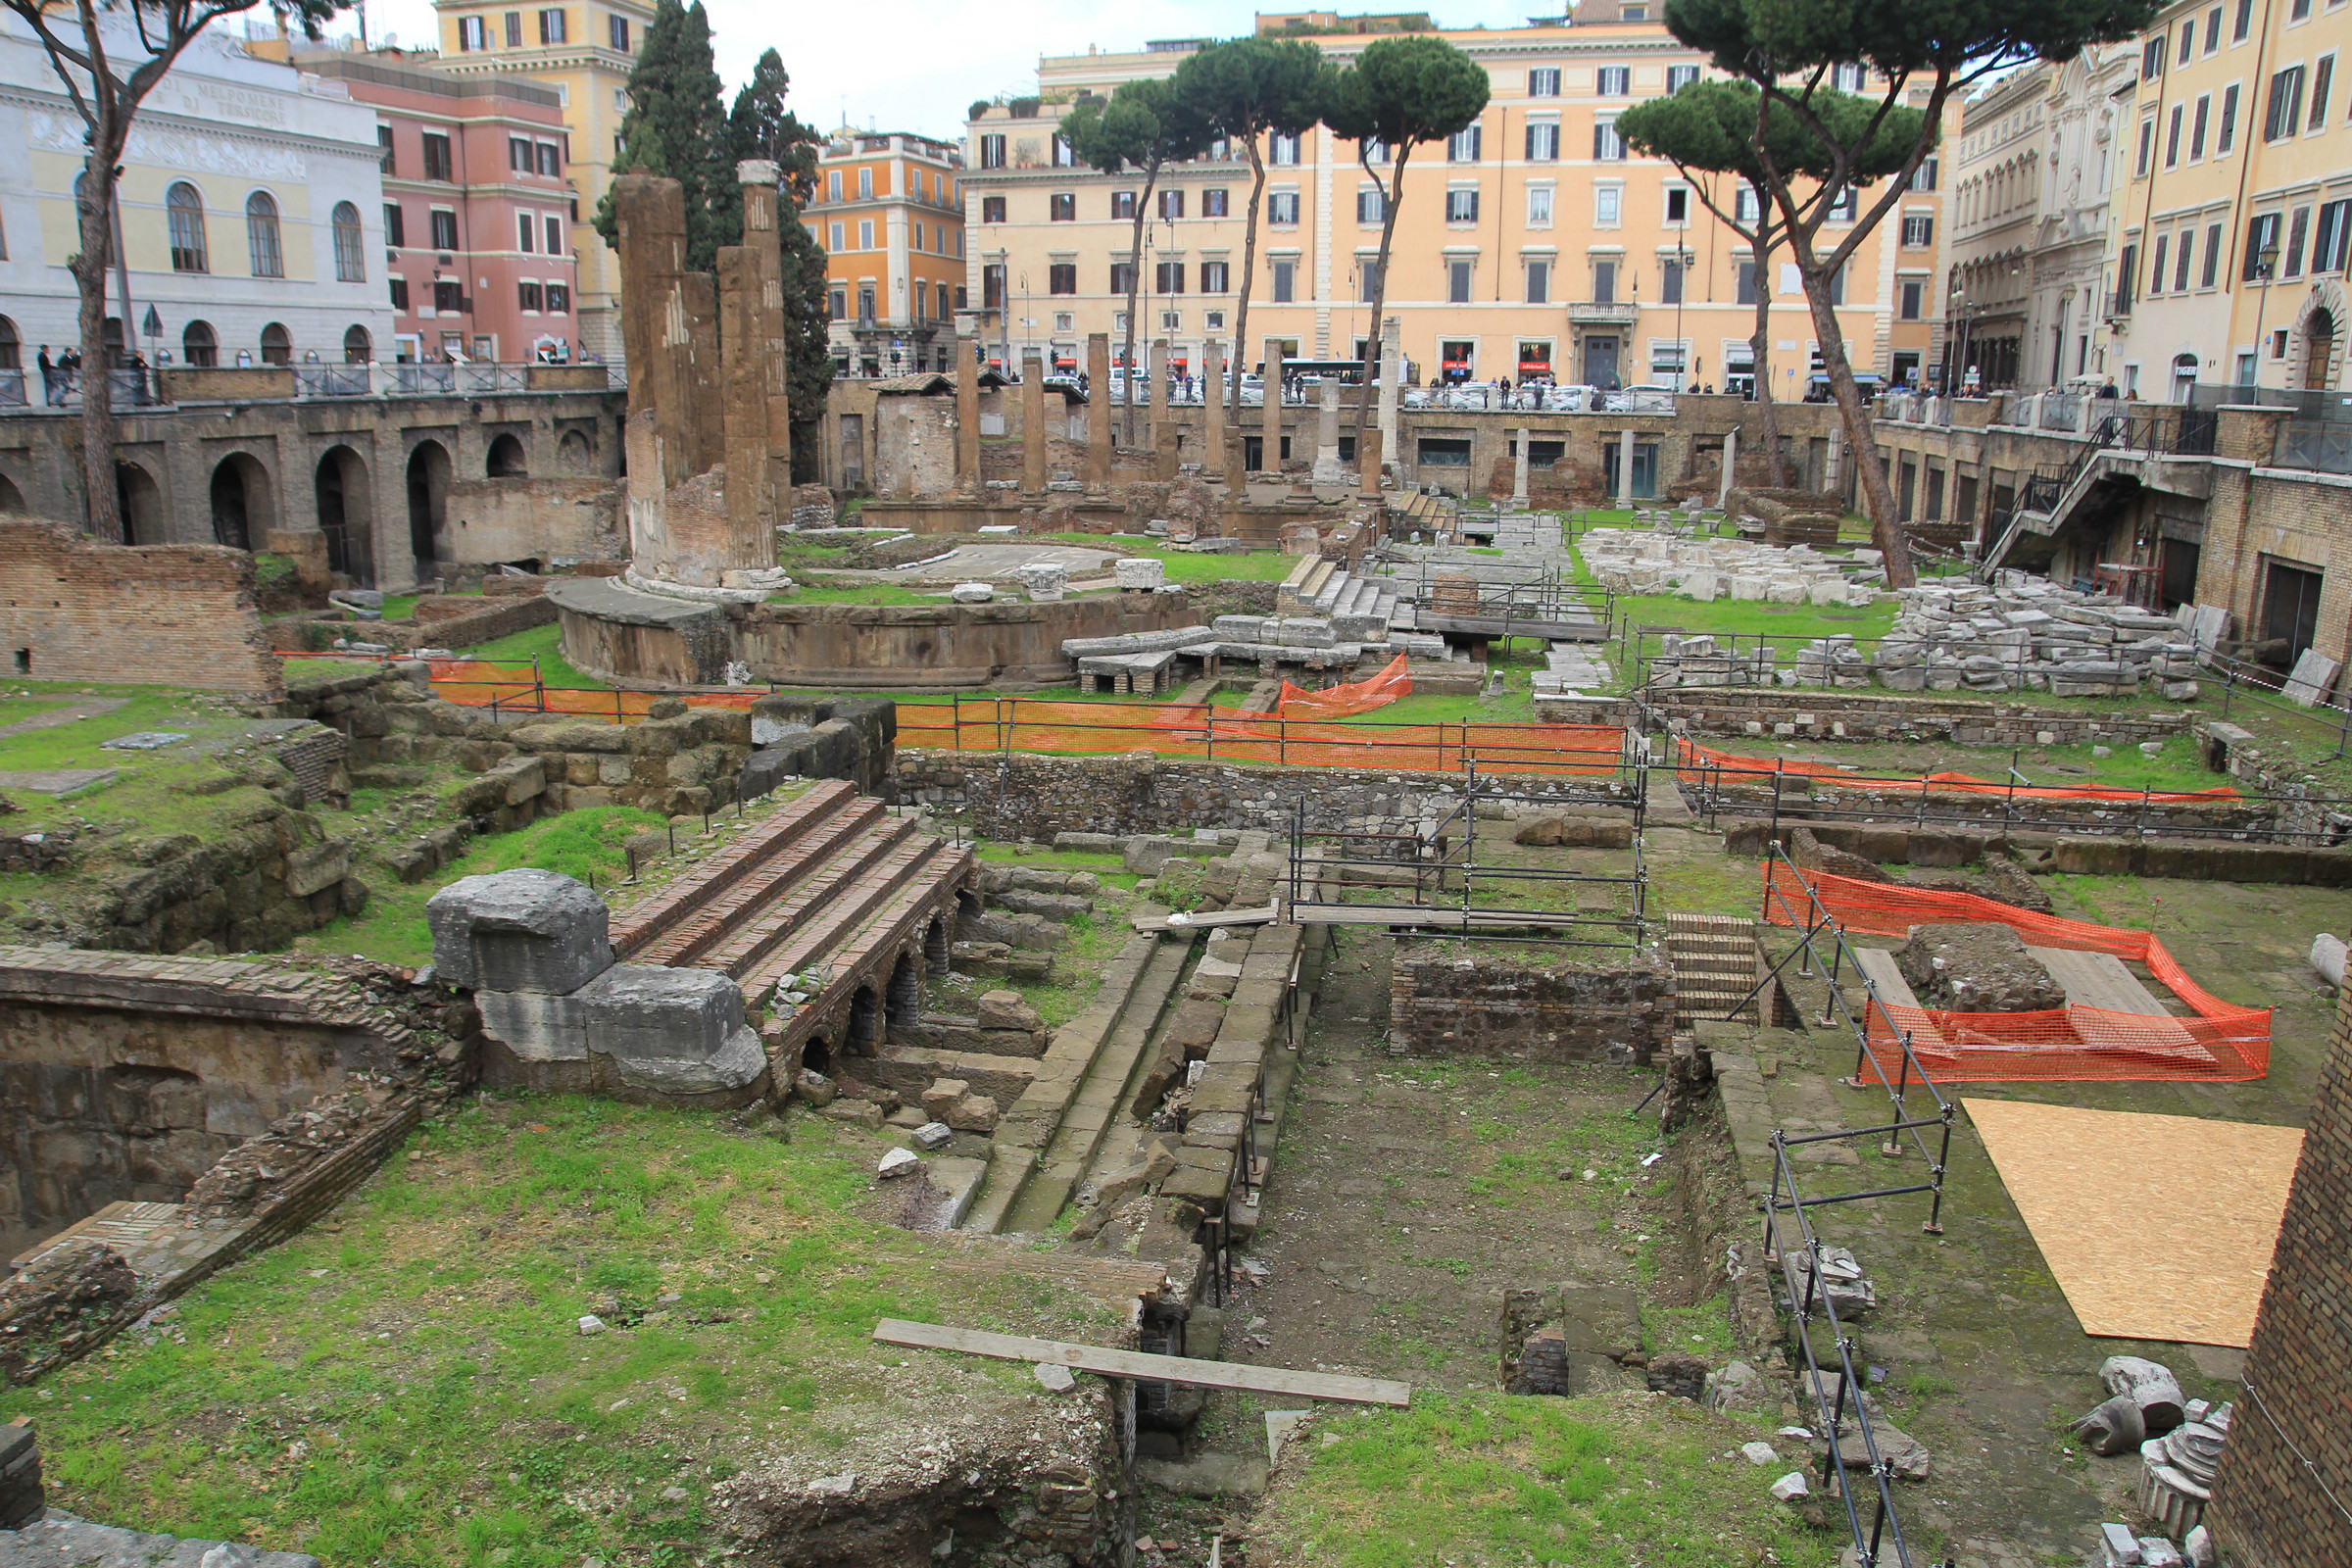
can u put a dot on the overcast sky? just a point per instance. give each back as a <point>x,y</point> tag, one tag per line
<point>916,65</point>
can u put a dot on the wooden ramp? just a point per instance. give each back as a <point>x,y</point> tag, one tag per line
<point>1144,1368</point>
<point>2101,983</point>
<point>1878,967</point>
<point>1263,914</point>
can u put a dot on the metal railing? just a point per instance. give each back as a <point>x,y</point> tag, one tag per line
<point>331,382</point>
<point>2178,433</point>
<point>2320,446</point>
<point>12,388</point>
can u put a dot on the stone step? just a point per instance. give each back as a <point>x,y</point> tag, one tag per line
<point>1715,963</point>
<point>739,907</point>
<point>1103,1093</point>
<point>879,913</point>
<point>824,930</point>
<point>757,934</point>
<point>686,898</point>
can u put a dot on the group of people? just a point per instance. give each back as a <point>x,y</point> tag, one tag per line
<point>58,376</point>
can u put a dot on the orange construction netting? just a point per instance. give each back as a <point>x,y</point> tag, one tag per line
<point>1342,702</point>
<point>2222,1044</point>
<point>476,683</point>
<point>1194,730</point>
<point>1692,760</point>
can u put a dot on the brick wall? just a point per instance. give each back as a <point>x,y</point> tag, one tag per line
<point>1443,1005</point>
<point>2269,1509</point>
<point>145,615</point>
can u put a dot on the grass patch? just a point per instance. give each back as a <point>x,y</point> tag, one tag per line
<point>1191,565</point>
<point>541,643</point>
<point>1477,1479</point>
<point>409,1388</point>
<point>818,592</point>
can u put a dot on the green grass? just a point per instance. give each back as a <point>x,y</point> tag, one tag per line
<point>1191,565</point>
<point>1788,625</point>
<point>578,844</point>
<point>409,1388</point>
<point>1491,1478</point>
<point>543,643</point>
<point>857,593</point>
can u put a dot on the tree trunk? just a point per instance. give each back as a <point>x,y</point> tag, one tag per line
<point>100,500</point>
<point>1135,279</point>
<point>1759,346</point>
<point>1380,299</point>
<point>1240,359</point>
<point>1884,531</point>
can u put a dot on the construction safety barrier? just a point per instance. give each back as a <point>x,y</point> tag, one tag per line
<point>518,689</point>
<point>1345,700</point>
<point>1694,764</point>
<point>2221,1042</point>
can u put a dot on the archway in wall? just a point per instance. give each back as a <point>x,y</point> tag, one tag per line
<point>141,504</point>
<point>2318,350</point>
<point>357,347</point>
<point>507,460</point>
<point>902,1002</point>
<point>12,499</point>
<point>345,515</point>
<point>242,514</point>
<point>573,454</point>
<point>429,469</point>
<point>816,1055</point>
<point>864,1036</point>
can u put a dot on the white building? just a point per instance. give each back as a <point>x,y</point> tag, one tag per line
<point>252,213</point>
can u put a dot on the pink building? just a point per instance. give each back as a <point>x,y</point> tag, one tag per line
<point>479,209</point>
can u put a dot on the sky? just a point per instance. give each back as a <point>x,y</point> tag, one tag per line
<point>917,65</point>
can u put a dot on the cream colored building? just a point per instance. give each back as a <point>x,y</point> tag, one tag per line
<point>584,52</point>
<point>1533,245</point>
<point>2229,236</point>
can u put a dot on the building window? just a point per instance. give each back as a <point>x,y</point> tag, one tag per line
<point>619,33</point>
<point>2213,256</point>
<point>183,211</point>
<point>559,299</point>
<point>1168,278</point>
<point>2151,59</point>
<point>1837,285</point>
<point>554,230</point>
<point>513,22</point>
<point>1282,151</point>
<point>1368,205</point>
<point>865,184</point>
<point>840,241</point>
<point>1462,147</point>
<point>1604,282</point>
<point>1367,278</point>
<point>1538,282</point>
<point>445,229</point>
<point>1607,146</point>
<point>277,345</point>
<point>2147,147</point>
<point>525,233</point>
<point>865,234</point>
<point>1841,206</point>
<point>992,151</point>
<point>915,241</point>
<point>437,163</point>
<point>1282,208</point>
<point>2298,230</point>
<point>1670,280</point>
<point>2156,272</point>
<point>1122,205</point>
<point>400,294</point>
<point>551,26</point>
<point>2285,105</point>
<point>1459,277</point>
<point>551,159</point>
<point>946,307</point>
<point>473,33</point>
<point>1678,204</point>
<point>2181,262</point>
<point>1911,297</point>
<point>1746,206</point>
<point>1614,81</point>
<point>865,304</point>
<point>1214,275</point>
<point>1064,156</point>
<point>448,296</point>
<point>1744,288</point>
<point>1608,206</point>
<point>1919,232</point>
<point>1061,278</point>
<point>1171,204</point>
<point>1924,176</point>
<point>2172,138</point>
<point>1461,206</point>
<point>261,238</point>
<point>383,157</point>
<point>396,228</point>
<point>1680,77</point>
<point>992,286</point>
<point>1285,281</point>
<point>527,296</point>
<point>2245,23</point>
<point>518,153</point>
<point>1544,83</point>
<point>2322,77</point>
<point>838,303</point>
<point>2329,237</point>
<point>2197,126</point>
<point>351,263</point>
<point>2225,135</point>
<point>1061,206</point>
<point>2261,234</point>
<point>991,208</point>
<point>1539,206</point>
<point>1542,141</point>
<point>1212,202</point>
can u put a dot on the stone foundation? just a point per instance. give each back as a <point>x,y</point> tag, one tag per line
<point>1476,1005</point>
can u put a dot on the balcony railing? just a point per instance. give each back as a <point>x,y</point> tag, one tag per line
<point>135,388</point>
<point>2320,446</point>
<point>12,389</point>
<point>330,381</point>
<point>1604,312</point>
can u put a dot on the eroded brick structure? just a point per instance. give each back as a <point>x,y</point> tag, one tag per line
<point>147,615</point>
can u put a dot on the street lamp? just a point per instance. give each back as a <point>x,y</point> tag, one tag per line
<point>2266,267</point>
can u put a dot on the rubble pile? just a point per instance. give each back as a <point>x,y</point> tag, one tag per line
<point>1628,562</point>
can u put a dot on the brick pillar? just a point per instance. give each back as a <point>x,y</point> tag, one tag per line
<point>1212,399</point>
<point>751,487</point>
<point>968,410</point>
<point>1033,423</point>
<point>699,372</point>
<point>759,177</point>
<point>1163,414</point>
<point>1367,464</point>
<point>1097,410</point>
<point>653,316</point>
<point>1270,461</point>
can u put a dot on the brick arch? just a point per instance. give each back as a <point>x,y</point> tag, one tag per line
<point>244,500</point>
<point>2325,300</point>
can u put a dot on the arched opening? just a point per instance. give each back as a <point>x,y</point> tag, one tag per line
<point>573,454</point>
<point>12,346</point>
<point>199,346</point>
<point>184,213</point>
<point>902,1004</point>
<point>261,236</point>
<point>277,345</point>
<point>864,1036</point>
<point>351,255</point>
<point>428,506</point>
<point>357,347</point>
<point>141,505</point>
<point>967,916</point>
<point>345,517</point>
<point>12,499</point>
<point>817,1054</point>
<point>2184,376</point>
<point>936,948</point>
<point>2319,349</point>
<point>241,510</point>
<point>507,460</point>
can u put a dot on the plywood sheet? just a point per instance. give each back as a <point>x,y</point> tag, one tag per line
<point>2156,1227</point>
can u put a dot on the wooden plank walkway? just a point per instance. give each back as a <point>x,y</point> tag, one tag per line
<point>1177,1370</point>
<point>1260,915</point>
<point>1420,915</point>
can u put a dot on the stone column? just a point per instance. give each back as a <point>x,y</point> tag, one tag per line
<point>1367,464</point>
<point>1392,375</point>
<point>1163,414</point>
<point>750,489</point>
<point>1270,459</point>
<point>1731,460</point>
<point>653,321</point>
<point>699,368</point>
<point>1097,410</point>
<point>1212,402</point>
<point>1625,470</point>
<point>1033,423</point>
<point>1327,433</point>
<point>1833,467</point>
<point>759,177</point>
<point>968,409</point>
<point>1519,468</point>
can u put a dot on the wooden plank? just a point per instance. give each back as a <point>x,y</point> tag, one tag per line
<point>1208,917</point>
<point>1135,1364</point>
<point>1425,915</point>
<point>1878,967</point>
<point>2099,980</point>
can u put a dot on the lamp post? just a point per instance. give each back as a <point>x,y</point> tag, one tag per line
<point>2266,267</point>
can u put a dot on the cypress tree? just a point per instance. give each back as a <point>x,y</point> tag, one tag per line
<point>761,127</point>
<point>676,127</point>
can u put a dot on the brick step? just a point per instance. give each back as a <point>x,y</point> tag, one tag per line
<point>693,889</point>
<point>756,935</point>
<point>1715,963</point>
<point>1029,1125</point>
<point>856,939</point>
<point>836,923</point>
<point>1109,1085</point>
<point>721,917</point>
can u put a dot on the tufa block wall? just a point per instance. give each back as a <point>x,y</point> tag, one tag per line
<point>130,615</point>
<point>1443,1005</point>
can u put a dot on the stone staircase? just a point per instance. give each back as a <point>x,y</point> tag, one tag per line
<point>1359,609</point>
<point>1716,963</point>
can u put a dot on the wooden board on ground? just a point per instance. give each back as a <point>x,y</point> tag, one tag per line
<point>1261,915</point>
<point>1135,1364</point>
<point>1425,915</point>
<point>2099,980</point>
<point>1885,977</point>
<point>2140,1252</point>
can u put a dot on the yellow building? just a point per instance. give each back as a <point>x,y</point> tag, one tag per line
<point>584,52</point>
<point>888,213</point>
<point>2234,199</point>
<point>1532,245</point>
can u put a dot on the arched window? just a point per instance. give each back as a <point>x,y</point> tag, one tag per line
<point>356,346</point>
<point>261,236</point>
<point>184,210</point>
<point>198,347</point>
<point>277,345</point>
<point>350,264</point>
<point>11,347</point>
